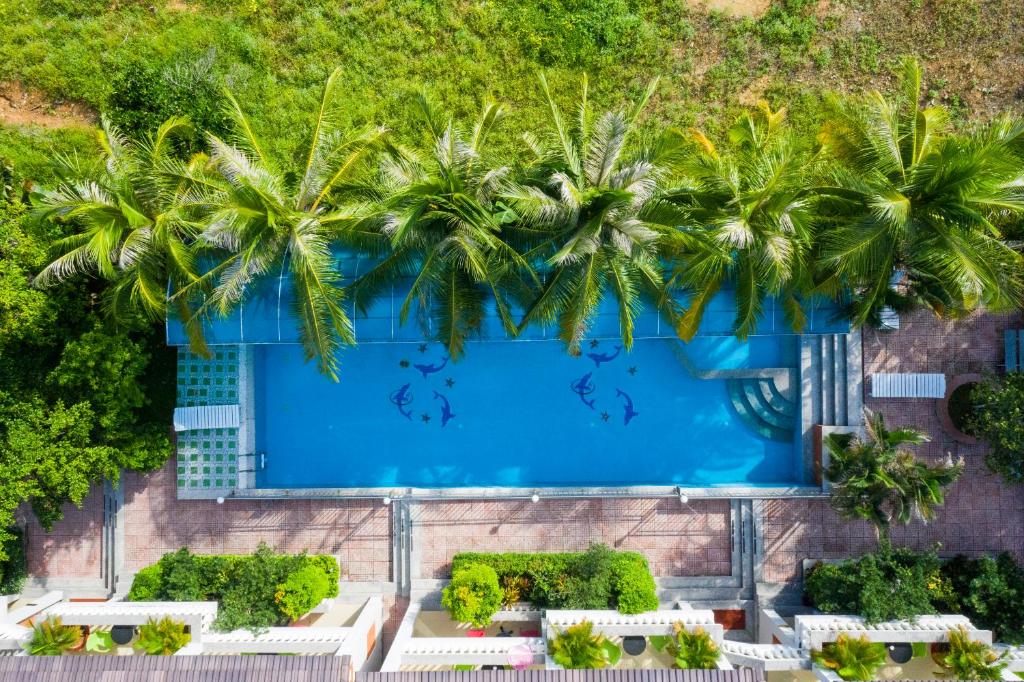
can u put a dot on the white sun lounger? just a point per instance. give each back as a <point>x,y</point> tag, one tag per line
<point>908,385</point>
<point>206,417</point>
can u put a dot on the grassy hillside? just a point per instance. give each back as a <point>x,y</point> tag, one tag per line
<point>143,60</point>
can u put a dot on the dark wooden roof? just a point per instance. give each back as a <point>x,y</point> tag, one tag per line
<point>566,676</point>
<point>173,669</point>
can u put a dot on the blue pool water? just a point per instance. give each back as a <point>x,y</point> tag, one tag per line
<point>516,414</point>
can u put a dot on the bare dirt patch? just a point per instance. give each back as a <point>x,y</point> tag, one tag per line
<point>733,8</point>
<point>20,106</point>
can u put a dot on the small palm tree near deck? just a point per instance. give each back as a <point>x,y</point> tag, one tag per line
<point>590,208</point>
<point>749,218</point>
<point>693,650</point>
<point>878,480</point>
<point>968,659</point>
<point>442,229</point>
<point>851,658</point>
<point>271,220</point>
<point>913,210</point>
<point>578,648</point>
<point>50,637</point>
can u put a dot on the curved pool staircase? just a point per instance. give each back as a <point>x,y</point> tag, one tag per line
<point>764,407</point>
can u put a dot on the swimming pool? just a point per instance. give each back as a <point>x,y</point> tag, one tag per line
<point>526,414</point>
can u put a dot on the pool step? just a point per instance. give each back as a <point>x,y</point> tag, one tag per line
<point>831,382</point>
<point>763,407</point>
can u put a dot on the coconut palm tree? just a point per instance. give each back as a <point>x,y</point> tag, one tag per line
<point>578,648</point>
<point>851,658</point>
<point>751,219</point>
<point>442,230</point>
<point>137,215</point>
<point>273,220</point>
<point>912,208</point>
<point>877,480</point>
<point>591,211</point>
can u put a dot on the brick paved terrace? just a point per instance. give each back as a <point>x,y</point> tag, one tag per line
<point>73,547</point>
<point>677,540</point>
<point>981,514</point>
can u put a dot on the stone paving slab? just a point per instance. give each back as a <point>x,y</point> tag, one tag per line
<point>356,531</point>
<point>72,549</point>
<point>678,540</point>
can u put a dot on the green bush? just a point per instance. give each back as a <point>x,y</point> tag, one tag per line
<point>693,650</point>
<point>148,584</point>
<point>891,584</point>
<point>598,578</point>
<point>473,596</point>
<point>989,591</point>
<point>146,93</point>
<point>999,421</point>
<point>13,569</point>
<point>246,587</point>
<point>301,591</point>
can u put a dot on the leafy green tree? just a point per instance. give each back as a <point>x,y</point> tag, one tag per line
<point>273,220</point>
<point>162,637</point>
<point>578,648</point>
<point>999,421</point>
<point>444,232</point>
<point>971,660</point>
<point>877,480</point>
<point>851,658</point>
<point>749,219</point>
<point>592,207</point>
<point>912,208</point>
<point>693,650</point>
<point>473,596</point>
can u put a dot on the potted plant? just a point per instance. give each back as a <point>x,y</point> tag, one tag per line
<point>162,637</point>
<point>578,648</point>
<point>851,659</point>
<point>473,596</point>
<point>971,660</point>
<point>693,650</point>
<point>52,638</point>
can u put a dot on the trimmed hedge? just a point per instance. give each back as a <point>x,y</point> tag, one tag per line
<point>596,579</point>
<point>254,591</point>
<point>473,595</point>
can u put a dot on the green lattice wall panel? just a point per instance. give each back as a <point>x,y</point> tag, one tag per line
<point>212,381</point>
<point>208,459</point>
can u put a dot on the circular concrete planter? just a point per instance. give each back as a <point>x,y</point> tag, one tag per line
<point>942,408</point>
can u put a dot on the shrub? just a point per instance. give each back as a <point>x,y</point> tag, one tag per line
<point>693,650</point>
<point>148,584</point>
<point>301,591</point>
<point>851,659</point>
<point>14,569</point>
<point>473,596</point>
<point>162,637</point>
<point>514,589</point>
<point>246,587</point>
<point>146,93</point>
<point>971,660</point>
<point>329,565</point>
<point>999,420</point>
<point>52,638</point>
<point>578,648</point>
<point>990,592</point>
<point>598,578</point>
<point>891,584</point>
<point>633,584</point>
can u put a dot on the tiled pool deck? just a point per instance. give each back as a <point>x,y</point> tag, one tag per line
<point>981,514</point>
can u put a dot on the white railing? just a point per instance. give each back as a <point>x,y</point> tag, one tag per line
<point>814,631</point>
<point>198,615</point>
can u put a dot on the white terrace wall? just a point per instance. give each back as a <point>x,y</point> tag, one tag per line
<point>814,631</point>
